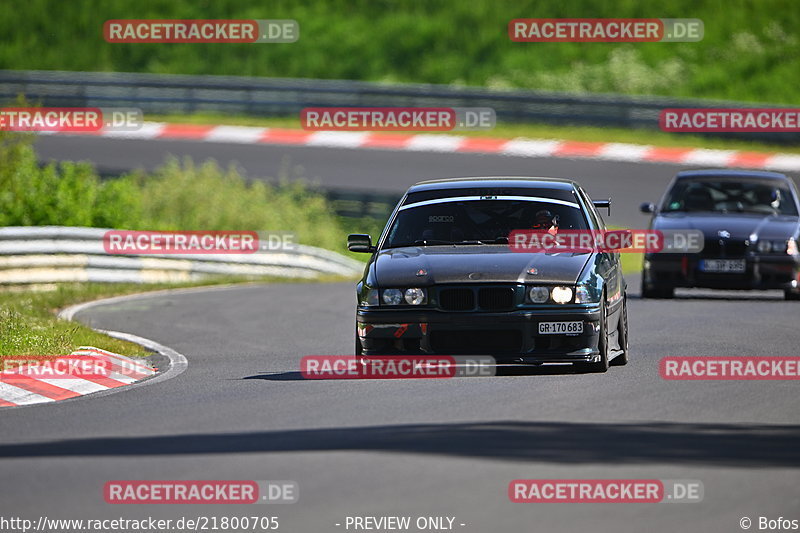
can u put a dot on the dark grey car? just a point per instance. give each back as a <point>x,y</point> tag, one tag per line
<point>750,224</point>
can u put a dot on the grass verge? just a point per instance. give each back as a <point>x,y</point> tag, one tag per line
<point>631,263</point>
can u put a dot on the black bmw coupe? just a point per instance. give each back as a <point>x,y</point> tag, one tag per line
<point>750,224</point>
<point>443,278</point>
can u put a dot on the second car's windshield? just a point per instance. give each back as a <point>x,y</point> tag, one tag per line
<point>479,221</point>
<point>724,196</point>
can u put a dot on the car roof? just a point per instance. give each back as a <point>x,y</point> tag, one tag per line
<point>726,173</point>
<point>499,182</point>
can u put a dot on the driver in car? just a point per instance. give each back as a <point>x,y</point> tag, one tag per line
<point>544,220</point>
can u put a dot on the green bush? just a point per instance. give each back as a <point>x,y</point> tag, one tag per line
<point>177,196</point>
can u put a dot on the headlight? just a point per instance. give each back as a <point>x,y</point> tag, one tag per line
<point>764,247</point>
<point>392,296</point>
<point>791,247</point>
<point>415,296</point>
<point>372,298</point>
<point>562,295</point>
<point>538,295</point>
<point>583,295</point>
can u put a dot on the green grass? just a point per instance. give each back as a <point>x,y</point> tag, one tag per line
<point>28,324</point>
<point>750,50</point>
<point>631,263</point>
<point>510,131</point>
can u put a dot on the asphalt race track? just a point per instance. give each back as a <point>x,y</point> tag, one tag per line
<point>415,447</point>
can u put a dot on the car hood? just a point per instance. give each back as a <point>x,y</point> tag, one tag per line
<point>740,226</point>
<point>474,264</point>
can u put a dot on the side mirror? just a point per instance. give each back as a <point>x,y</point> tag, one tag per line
<point>360,242</point>
<point>647,208</point>
<point>603,203</point>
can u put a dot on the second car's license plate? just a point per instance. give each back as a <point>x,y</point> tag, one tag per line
<point>560,328</point>
<point>723,265</point>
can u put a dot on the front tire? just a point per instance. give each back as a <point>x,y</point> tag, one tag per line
<point>791,295</point>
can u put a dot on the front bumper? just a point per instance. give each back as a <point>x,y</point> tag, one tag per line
<point>506,336</point>
<point>683,270</point>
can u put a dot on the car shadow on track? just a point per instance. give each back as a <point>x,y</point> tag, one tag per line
<point>501,370</point>
<point>739,445</point>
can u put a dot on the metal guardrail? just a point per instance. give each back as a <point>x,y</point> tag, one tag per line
<point>54,254</point>
<point>176,94</point>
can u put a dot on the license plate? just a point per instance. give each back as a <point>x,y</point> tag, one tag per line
<point>560,328</point>
<point>723,265</point>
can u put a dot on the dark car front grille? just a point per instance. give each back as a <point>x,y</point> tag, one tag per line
<point>457,299</point>
<point>476,298</point>
<point>496,298</point>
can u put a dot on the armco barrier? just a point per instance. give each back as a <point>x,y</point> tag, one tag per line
<point>176,94</point>
<point>53,254</point>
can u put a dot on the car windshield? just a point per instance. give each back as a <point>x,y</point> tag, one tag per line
<point>725,195</point>
<point>449,222</point>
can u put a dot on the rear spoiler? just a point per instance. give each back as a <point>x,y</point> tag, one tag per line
<point>603,203</point>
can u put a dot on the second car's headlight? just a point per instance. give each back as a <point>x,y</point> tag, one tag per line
<point>777,247</point>
<point>791,246</point>
<point>392,296</point>
<point>561,295</point>
<point>415,296</point>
